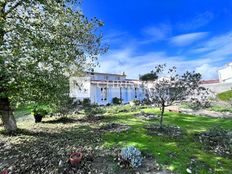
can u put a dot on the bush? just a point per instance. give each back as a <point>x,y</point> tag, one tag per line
<point>122,108</point>
<point>146,101</point>
<point>86,102</point>
<point>135,102</point>
<point>39,111</point>
<point>67,105</point>
<point>38,114</point>
<point>93,110</point>
<point>132,156</point>
<point>197,104</point>
<point>116,101</point>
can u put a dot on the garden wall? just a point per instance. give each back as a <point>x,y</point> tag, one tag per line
<point>218,87</point>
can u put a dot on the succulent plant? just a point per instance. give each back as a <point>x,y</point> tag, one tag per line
<point>132,155</point>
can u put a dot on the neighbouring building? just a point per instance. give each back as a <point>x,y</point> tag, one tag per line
<point>225,74</point>
<point>101,88</point>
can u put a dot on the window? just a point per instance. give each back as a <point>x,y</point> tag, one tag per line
<point>135,92</point>
<point>103,93</point>
<point>106,77</point>
<point>120,93</point>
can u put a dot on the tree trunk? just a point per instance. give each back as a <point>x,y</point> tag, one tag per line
<point>161,115</point>
<point>5,109</point>
<point>6,113</point>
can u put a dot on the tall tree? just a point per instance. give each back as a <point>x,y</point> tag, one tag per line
<point>148,76</point>
<point>171,87</point>
<point>42,42</point>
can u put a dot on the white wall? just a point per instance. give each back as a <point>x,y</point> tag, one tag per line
<point>127,94</point>
<point>110,77</point>
<point>79,87</point>
<point>225,74</point>
<point>218,87</point>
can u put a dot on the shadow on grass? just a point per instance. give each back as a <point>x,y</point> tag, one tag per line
<point>40,151</point>
<point>63,120</point>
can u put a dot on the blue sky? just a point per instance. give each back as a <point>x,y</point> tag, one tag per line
<point>189,34</point>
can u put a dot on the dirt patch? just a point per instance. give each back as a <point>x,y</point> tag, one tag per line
<point>147,116</point>
<point>196,165</point>
<point>115,127</point>
<point>216,140</point>
<point>167,130</point>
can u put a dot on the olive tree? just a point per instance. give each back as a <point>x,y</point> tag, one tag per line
<point>171,87</point>
<point>42,43</point>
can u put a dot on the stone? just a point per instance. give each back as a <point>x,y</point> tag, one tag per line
<point>61,163</point>
<point>188,170</point>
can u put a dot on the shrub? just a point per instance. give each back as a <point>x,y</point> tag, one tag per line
<point>135,102</point>
<point>132,156</point>
<point>38,114</point>
<point>146,101</point>
<point>116,101</point>
<point>86,102</point>
<point>39,111</point>
<point>93,110</point>
<point>196,103</point>
<point>67,105</point>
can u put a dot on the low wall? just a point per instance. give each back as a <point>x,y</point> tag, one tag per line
<point>218,87</point>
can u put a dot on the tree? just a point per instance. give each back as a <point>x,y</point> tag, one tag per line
<point>149,76</point>
<point>171,88</point>
<point>42,42</point>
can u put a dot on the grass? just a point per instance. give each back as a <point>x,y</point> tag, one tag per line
<point>221,109</point>
<point>55,134</point>
<point>225,96</point>
<point>185,148</point>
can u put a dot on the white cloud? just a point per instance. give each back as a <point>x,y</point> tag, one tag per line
<point>208,71</point>
<point>157,33</point>
<point>216,48</point>
<point>125,60</point>
<point>196,22</point>
<point>187,39</point>
<point>206,58</point>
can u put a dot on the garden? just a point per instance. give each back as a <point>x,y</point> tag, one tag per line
<point>122,139</point>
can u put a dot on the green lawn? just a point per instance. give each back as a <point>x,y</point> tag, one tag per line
<point>56,138</point>
<point>185,148</point>
<point>221,109</point>
<point>225,96</point>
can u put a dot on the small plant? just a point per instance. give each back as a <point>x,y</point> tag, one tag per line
<point>135,102</point>
<point>86,102</point>
<point>131,156</point>
<point>197,104</point>
<point>117,101</point>
<point>38,114</point>
<point>93,110</point>
<point>67,105</point>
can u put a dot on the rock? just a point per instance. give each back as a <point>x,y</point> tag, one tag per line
<point>188,170</point>
<point>61,164</point>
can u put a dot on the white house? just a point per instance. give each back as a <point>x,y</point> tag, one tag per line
<point>101,88</point>
<point>225,74</point>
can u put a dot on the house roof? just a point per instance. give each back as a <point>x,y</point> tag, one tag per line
<point>124,75</point>
<point>209,81</point>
